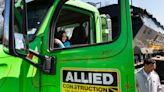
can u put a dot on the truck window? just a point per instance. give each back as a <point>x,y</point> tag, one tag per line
<point>110,23</point>
<point>83,28</point>
<point>35,13</point>
<point>111,27</point>
<point>77,26</point>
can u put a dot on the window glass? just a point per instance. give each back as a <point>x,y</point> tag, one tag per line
<point>72,28</point>
<point>18,17</point>
<point>80,25</point>
<point>35,14</point>
<point>110,24</point>
<point>110,20</point>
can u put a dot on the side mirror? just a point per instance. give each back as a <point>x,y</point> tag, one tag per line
<point>14,39</point>
<point>106,33</point>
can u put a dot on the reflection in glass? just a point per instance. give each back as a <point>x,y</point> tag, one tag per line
<point>19,41</point>
<point>6,24</point>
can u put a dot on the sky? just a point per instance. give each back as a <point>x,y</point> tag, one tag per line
<point>154,7</point>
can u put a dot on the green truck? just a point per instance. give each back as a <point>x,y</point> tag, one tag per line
<point>100,59</point>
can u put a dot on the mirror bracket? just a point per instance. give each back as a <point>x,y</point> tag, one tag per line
<point>47,65</point>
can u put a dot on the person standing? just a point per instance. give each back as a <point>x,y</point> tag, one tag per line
<point>147,80</point>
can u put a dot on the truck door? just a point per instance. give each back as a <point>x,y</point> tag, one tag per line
<point>70,40</point>
<point>88,64</point>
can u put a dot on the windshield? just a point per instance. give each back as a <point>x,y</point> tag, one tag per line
<point>2,4</point>
<point>35,14</point>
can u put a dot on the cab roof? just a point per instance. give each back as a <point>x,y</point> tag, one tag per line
<point>83,5</point>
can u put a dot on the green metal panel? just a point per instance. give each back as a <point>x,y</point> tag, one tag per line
<point>117,55</point>
<point>19,76</point>
<point>13,75</point>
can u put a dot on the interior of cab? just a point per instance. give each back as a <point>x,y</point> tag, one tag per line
<point>76,24</point>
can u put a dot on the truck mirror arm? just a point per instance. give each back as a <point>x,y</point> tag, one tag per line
<point>47,65</point>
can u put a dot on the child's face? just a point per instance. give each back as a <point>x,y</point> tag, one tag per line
<point>64,37</point>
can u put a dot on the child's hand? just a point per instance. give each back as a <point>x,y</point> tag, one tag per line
<point>57,41</point>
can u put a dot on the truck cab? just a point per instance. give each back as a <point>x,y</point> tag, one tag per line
<point>93,62</point>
